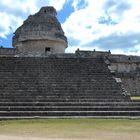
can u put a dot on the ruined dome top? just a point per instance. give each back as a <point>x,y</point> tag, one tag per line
<point>49,10</point>
<point>42,25</point>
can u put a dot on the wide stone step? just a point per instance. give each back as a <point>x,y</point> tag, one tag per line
<point>69,108</point>
<point>68,90</point>
<point>47,87</point>
<point>57,84</point>
<point>34,94</point>
<point>51,76</point>
<point>62,96</point>
<point>60,100</point>
<point>26,96</point>
<point>40,90</point>
<point>69,113</point>
<point>36,103</point>
<point>58,66</point>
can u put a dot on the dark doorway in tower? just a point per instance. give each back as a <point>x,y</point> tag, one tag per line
<point>47,49</point>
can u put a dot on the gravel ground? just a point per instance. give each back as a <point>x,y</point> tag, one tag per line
<point>107,137</point>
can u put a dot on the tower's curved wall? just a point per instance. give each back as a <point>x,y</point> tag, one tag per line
<point>40,33</point>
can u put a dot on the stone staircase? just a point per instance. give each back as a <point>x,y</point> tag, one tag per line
<point>61,87</point>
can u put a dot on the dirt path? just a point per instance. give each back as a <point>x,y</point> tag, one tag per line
<point>128,137</point>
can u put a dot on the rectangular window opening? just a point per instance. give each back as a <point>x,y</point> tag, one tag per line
<point>47,49</point>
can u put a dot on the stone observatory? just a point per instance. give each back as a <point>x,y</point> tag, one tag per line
<point>41,33</point>
<point>39,80</point>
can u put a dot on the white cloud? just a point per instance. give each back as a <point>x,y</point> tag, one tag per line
<point>92,22</point>
<point>22,5</point>
<point>75,4</point>
<point>8,24</point>
<point>14,12</point>
<point>58,4</point>
<point>119,18</point>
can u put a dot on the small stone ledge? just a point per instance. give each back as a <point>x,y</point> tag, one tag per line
<point>118,80</point>
<point>7,52</point>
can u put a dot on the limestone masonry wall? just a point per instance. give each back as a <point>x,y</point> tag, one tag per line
<point>7,52</point>
<point>41,32</point>
<point>128,69</point>
<point>125,64</point>
<point>125,67</point>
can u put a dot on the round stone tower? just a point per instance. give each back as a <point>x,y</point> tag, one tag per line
<point>40,34</point>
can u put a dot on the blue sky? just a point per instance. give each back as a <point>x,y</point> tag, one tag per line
<point>88,24</point>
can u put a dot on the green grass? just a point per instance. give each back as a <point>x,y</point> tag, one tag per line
<point>135,98</point>
<point>71,128</point>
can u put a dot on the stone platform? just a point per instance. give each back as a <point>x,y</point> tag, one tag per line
<point>61,87</point>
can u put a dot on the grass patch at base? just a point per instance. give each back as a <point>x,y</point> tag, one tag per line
<point>71,128</point>
<point>135,98</point>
